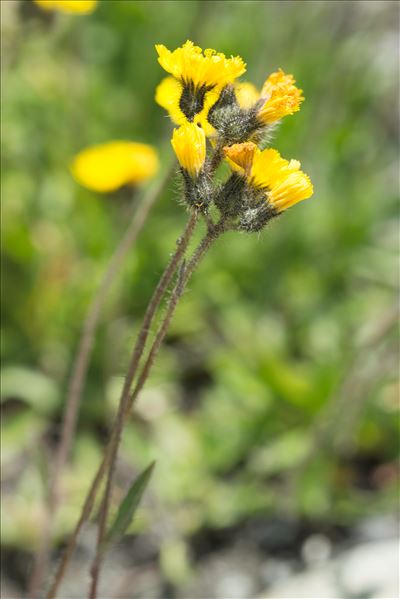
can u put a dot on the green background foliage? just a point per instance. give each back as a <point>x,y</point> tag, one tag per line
<point>268,396</point>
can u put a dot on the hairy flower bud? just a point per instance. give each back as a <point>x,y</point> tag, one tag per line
<point>230,198</point>
<point>233,123</point>
<point>254,220</point>
<point>189,143</point>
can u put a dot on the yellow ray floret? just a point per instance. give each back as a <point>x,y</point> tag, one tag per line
<point>285,184</point>
<point>189,143</point>
<point>281,97</point>
<point>168,95</point>
<point>269,168</point>
<point>189,64</point>
<point>240,156</point>
<point>282,180</point>
<point>107,167</point>
<point>291,190</point>
<point>68,6</point>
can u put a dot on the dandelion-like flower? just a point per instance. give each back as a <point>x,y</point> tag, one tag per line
<point>107,167</point>
<point>281,97</point>
<point>280,181</point>
<point>197,78</point>
<point>68,6</point>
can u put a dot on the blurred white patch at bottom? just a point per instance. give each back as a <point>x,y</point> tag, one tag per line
<point>369,570</point>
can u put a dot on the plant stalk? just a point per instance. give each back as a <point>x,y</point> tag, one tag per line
<point>158,294</point>
<point>78,375</point>
<point>185,274</point>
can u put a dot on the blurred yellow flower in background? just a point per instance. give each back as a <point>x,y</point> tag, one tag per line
<point>68,6</point>
<point>107,167</point>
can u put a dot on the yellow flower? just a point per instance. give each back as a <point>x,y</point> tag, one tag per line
<point>189,143</point>
<point>281,97</point>
<point>189,64</point>
<point>282,181</point>
<point>107,167</point>
<point>196,82</point>
<point>68,6</point>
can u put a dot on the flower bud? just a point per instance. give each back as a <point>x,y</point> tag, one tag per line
<point>189,144</point>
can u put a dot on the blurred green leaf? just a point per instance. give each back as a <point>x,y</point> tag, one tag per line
<point>128,507</point>
<point>288,450</point>
<point>19,432</point>
<point>30,386</point>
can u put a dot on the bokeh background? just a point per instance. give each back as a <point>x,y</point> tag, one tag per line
<point>272,411</point>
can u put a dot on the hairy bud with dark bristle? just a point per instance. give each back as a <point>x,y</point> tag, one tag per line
<point>230,197</point>
<point>198,192</point>
<point>254,220</point>
<point>234,124</point>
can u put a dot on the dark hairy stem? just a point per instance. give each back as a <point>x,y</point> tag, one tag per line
<point>125,395</point>
<point>185,274</point>
<point>158,294</point>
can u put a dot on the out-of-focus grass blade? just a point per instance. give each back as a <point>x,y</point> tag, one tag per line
<point>128,507</point>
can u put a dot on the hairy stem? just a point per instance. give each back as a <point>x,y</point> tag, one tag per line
<point>185,274</point>
<point>157,296</point>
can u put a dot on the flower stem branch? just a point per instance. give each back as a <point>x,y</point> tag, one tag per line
<point>158,294</point>
<point>184,275</point>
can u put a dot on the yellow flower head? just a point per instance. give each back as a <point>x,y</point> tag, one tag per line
<point>68,6</point>
<point>197,79</point>
<point>112,165</point>
<point>282,181</point>
<point>189,143</point>
<point>190,65</point>
<point>281,97</point>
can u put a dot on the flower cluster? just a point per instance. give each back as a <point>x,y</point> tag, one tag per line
<point>202,96</point>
